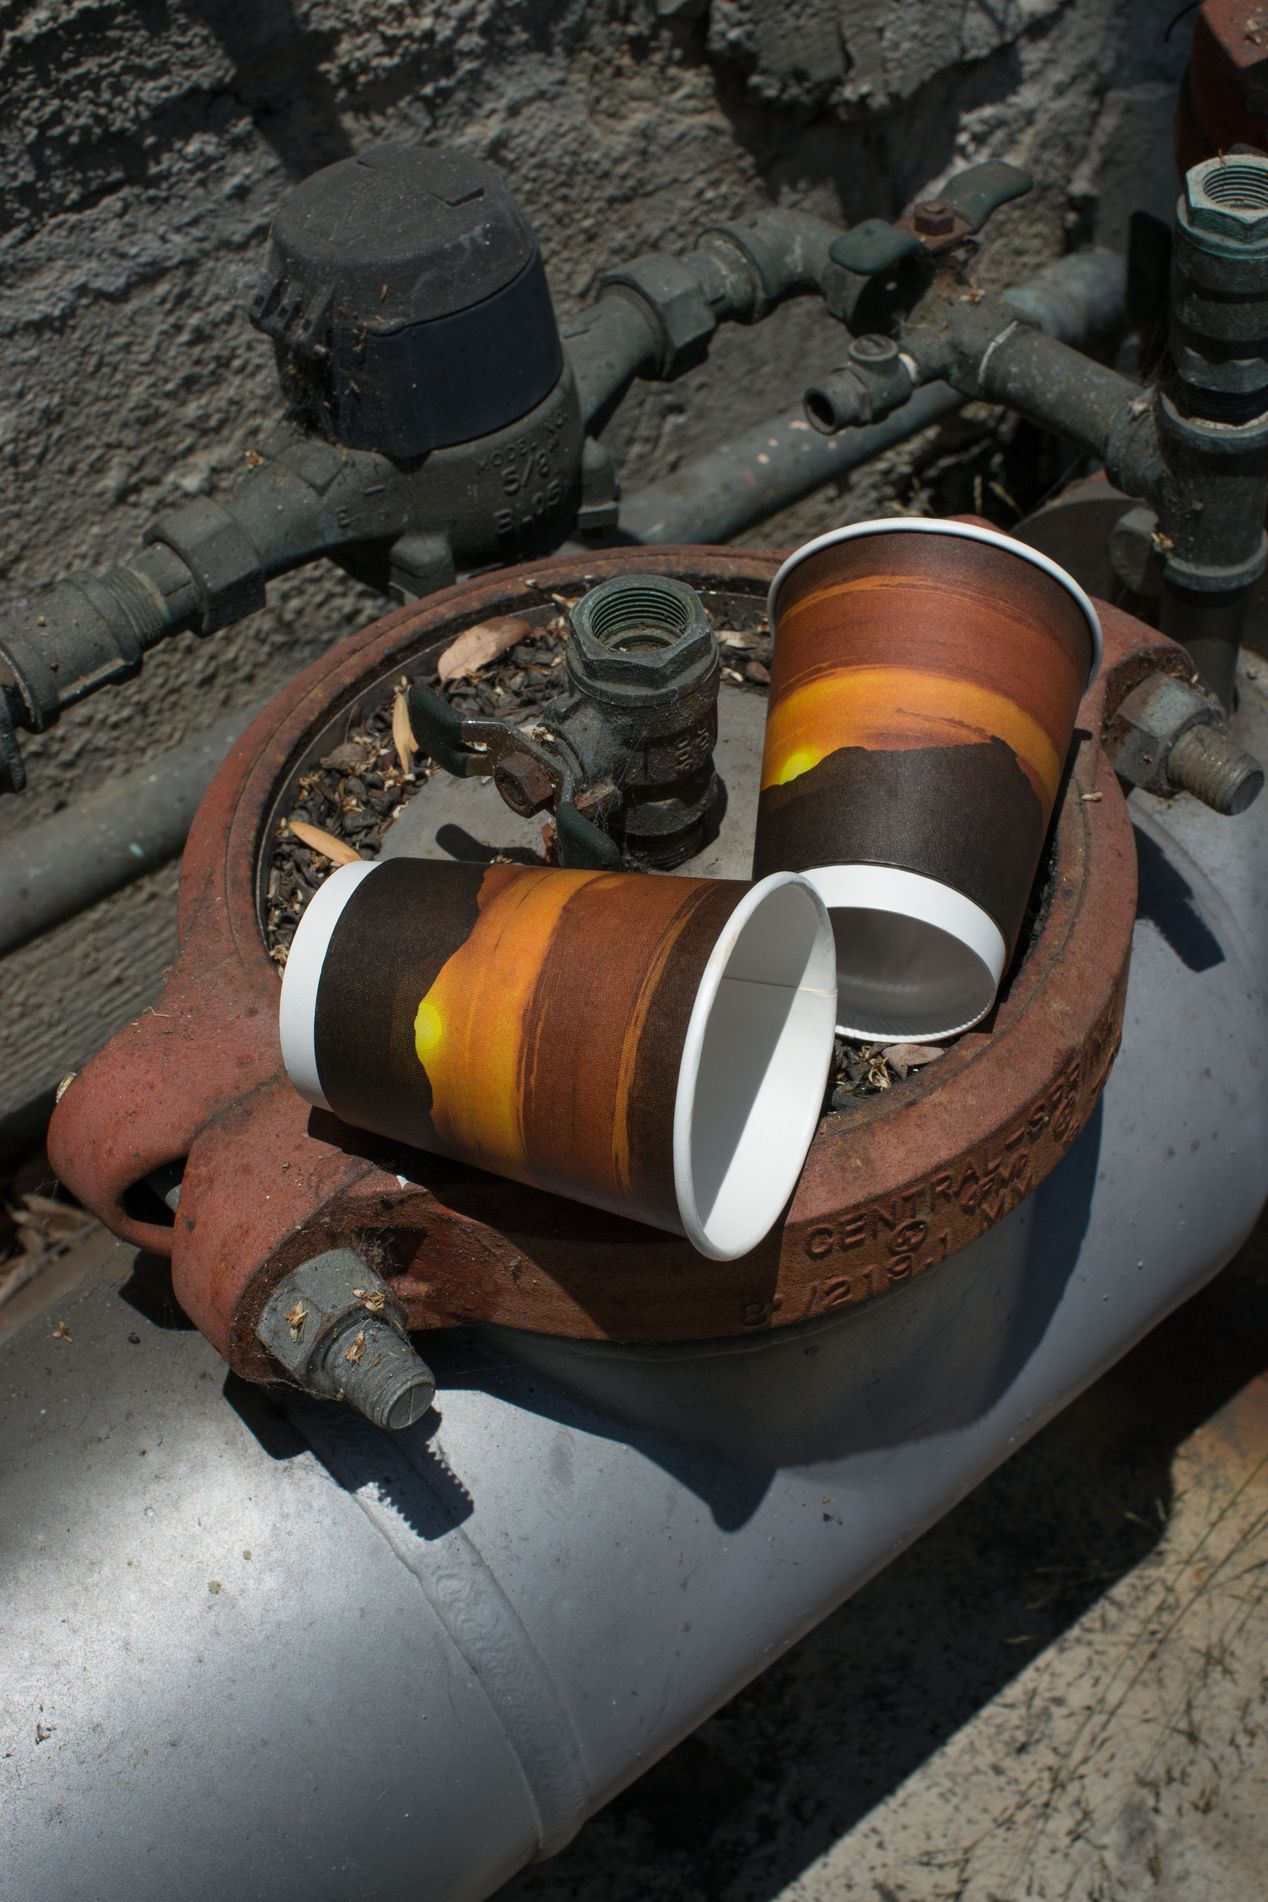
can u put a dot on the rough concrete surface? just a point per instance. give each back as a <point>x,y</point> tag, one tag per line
<point>144,148</point>
<point>1061,1692</point>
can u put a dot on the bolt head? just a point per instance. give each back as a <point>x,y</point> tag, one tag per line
<point>933,217</point>
<point>1228,197</point>
<point>524,783</point>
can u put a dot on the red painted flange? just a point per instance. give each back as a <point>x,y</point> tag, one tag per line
<point>891,1188</point>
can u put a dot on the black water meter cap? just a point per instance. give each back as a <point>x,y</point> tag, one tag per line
<point>408,302</point>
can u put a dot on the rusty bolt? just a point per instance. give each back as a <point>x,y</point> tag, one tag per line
<point>1207,762</point>
<point>933,217</point>
<point>1168,737</point>
<point>524,783</point>
<point>1229,196</point>
<point>333,1327</point>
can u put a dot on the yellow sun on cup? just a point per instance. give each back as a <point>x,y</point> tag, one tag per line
<point>429,1028</point>
<point>796,764</point>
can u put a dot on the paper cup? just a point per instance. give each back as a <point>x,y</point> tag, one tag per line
<point>923,694</point>
<point>658,1047</point>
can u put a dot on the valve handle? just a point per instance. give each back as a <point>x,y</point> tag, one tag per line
<point>446,737</point>
<point>975,194</point>
<point>872,247</point>
<point>934,224</point>
<point>438,731</point>
<point>582,843</point>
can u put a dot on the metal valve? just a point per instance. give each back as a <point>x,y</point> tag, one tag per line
<point>624,757</point>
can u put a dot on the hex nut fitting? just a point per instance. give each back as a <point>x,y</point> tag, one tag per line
<point>671,293</point>
<point>1228,197</point>
<point>643,635</point>
<point>335,1329</point>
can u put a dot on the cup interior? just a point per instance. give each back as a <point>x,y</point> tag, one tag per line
<point>754,1066</point>
<point>916,961</point>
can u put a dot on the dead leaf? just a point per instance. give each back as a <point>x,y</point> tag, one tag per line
<point>354,1353</point>
<point>902,1057</point>
<point>479,645</point>
<point>61,1332</point>
<point>338,851</point>
<point>736,637</point>
<point>373,1299</point>
<point>295,1320</point>
<point>402,732</point>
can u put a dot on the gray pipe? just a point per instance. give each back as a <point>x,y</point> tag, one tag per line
<point>53,870</point>
<point>65,864</point>
<point>278,1653</point>
<point>768,468</point>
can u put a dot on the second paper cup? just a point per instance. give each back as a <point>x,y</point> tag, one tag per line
<point>653,1046</point>
<point>924,688</point>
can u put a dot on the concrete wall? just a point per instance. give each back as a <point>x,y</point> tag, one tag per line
<point>145,145</point>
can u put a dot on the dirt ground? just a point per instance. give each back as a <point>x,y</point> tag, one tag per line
<point>1061,1692</point>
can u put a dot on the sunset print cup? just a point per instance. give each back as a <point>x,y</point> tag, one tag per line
<point>923,694</point>
<point>654,1046</point>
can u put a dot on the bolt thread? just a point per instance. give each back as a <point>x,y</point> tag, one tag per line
<point>140,611</point>
<point>386,1380</point>
<point>1207,762</point>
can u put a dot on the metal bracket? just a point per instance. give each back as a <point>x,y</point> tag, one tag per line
<point>529,774</point>
<point>933,225</point>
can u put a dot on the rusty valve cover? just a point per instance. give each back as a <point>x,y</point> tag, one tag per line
<point>892,1187</point>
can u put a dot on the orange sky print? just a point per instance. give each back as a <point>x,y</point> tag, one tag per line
<point>903,642</point>
<point>898,707</point>
<point>467,1032</point>
<point>536,1032</point>
<point>924,688</point>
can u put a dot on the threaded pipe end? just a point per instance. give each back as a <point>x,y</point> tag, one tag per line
<point>1240,185</point>
<point>1207,762</point>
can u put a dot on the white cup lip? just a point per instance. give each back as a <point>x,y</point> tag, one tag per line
<point>862,886</point>
<point>799,1124</point>
<point>964,531</point>
<point>301,976</point>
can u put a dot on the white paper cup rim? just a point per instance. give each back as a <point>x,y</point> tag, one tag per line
<point>964,531</point>
<point>767,1071</point>
<point>960,949</point>
<point>297,1014</point>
